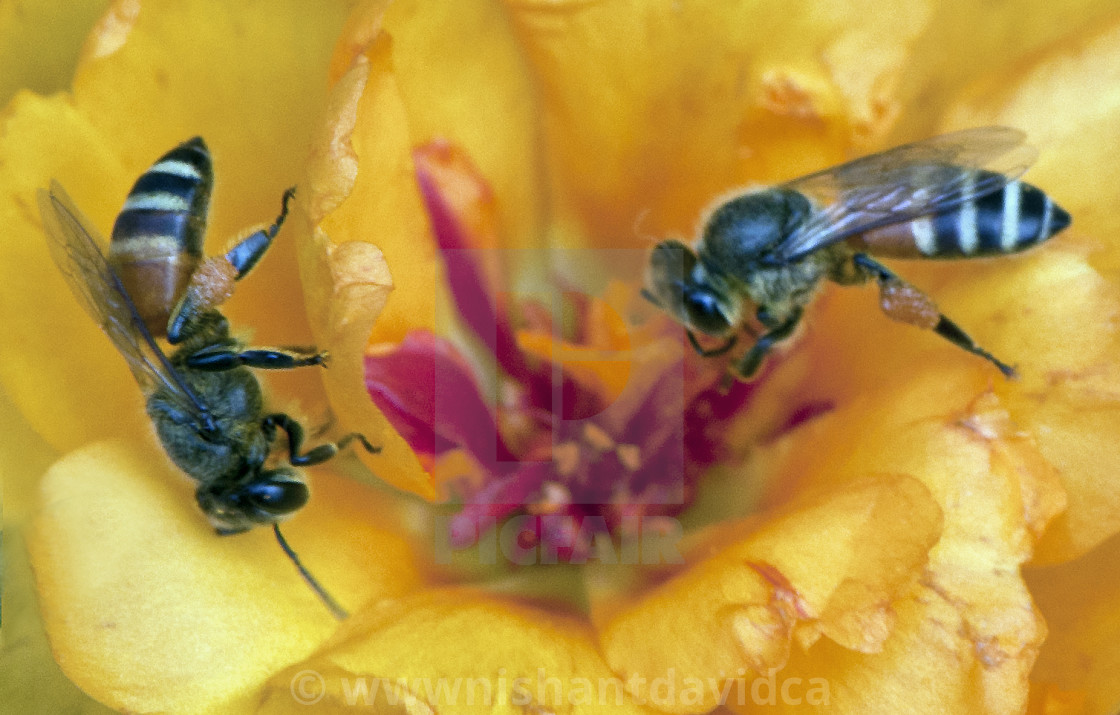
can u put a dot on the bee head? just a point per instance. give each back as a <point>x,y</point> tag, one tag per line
<point>679,285</point>
<point>267,499</point>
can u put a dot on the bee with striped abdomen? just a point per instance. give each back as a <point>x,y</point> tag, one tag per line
<point>206,405</point>
<point>951,196</point>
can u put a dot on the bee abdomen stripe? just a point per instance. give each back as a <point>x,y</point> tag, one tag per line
<point>922,230</point>
<point>180,186</point>
<point>138,223</point>
<point>968,236</point>
<point>146,247</point>
<point>991,218</point>
<point>193,153</point>
<point>947,234</point>
<point>1034,210</point>
<point>177,167</point>
<point>1009,226</point>
<point>1047,217</point>
<point>156,201</point>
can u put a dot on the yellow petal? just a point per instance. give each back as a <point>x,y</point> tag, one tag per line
<point>483,101</point>
<point>457,651</point>
<point>147,609</point>
<point>967,635</point>
<point>1049,312</point>
<point>149,80</point>
<point>1068,397</point>
<point>39,43</point>
<point>965,40</point>
<point>654,108</point>
<point>31,680</point>
<point>348,281</point>
<point>832,567</point>
<point>49,333</point>
<point>1068,101</point>
<point>411,93</point>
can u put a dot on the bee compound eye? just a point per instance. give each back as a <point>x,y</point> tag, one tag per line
<point>277,494</point>
<point>704,312</point>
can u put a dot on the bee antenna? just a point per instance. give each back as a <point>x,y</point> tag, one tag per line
<point>332,605</point>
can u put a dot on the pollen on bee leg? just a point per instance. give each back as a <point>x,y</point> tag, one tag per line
<point>212,283</point>
<point>906,304</point>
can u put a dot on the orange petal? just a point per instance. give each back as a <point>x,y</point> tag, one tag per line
<point>1081,603</point>
<point>1050,313</point>
<point>458,651</point>
<point>413,93</point>
<point>147,609</point>
<point>833,566</point>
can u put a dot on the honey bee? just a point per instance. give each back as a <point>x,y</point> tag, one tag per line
<point>951,196</point>
<point>205,403</point>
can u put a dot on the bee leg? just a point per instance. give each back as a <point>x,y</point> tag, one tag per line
<point>216,358</point>
<point>713,352</point>
<point>903,302</point>
<point>748,365</point>
<point>295,441</point>
<point>244,256</point>
<point>212,284</point>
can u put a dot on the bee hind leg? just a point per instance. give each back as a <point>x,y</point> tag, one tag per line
<point>313,456</point>
<point>248,251</point>
<point>903,302</point>
<point>212,284</point>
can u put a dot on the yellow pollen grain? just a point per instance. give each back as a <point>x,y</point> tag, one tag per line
<point>630,455</point>
<point>597,437</point>
<point>554,497</point>
<point>566,457</point>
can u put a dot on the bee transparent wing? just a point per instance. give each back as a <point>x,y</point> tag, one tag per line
<point>904,183</point>
<point>78,256</point>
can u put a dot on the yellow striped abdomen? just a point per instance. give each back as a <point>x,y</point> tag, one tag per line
<point>157,239</point>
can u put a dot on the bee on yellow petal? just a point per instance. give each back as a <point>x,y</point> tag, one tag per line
<point>206,405</point>
<point>951,196</point>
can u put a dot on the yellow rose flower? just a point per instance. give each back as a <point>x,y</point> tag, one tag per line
<point>882,523</point>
